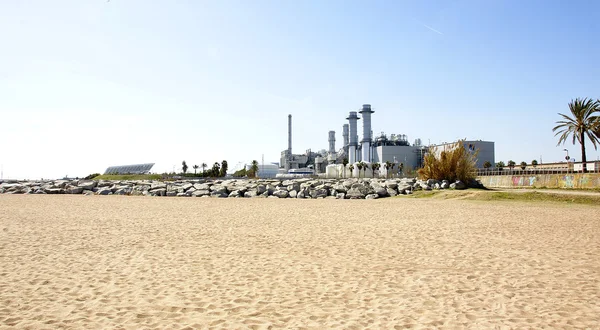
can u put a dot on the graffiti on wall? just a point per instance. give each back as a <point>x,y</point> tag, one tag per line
<point>588,180</point>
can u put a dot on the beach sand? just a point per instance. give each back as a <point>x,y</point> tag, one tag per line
<point>116,262</point>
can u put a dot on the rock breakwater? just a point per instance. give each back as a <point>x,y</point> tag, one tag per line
<point>365,188</point>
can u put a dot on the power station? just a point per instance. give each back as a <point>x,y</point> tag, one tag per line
<point>394,149</point>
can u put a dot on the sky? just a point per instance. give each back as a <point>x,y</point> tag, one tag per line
<point>89,84</point>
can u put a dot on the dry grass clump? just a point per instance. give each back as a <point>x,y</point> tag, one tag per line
<point>452,164</point>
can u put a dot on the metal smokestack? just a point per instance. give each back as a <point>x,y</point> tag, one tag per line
<point>331,142</point>
<point>366,140</point>
<point>352,118</point>
<point>290,135</point>
<point>346,135</point>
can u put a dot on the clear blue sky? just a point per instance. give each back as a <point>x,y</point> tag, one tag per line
<point>88,84</point>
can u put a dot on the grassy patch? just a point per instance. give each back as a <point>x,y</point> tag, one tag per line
<point>518,196</point>
<point>129,177</point>
<point>424,193</point>
<point>535,196</point>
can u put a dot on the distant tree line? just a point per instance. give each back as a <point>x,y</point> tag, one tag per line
<point>216,171</point>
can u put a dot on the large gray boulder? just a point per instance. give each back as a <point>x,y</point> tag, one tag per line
<point>340,188</point>
<point>201,192</point>
<point>87,184</point>
<point>158,192</point>
<point>260,189</point>
<point>201,186</point>
<point>458,185</point>
<point>74,190</point>
<point>379,190</point>
<point>281,193</point>
<point>372,196</point>
<point>104,191</point>
<point>316,193</point>
<point>293,194</point>
<point>250,193</point>
<point>54,191</point>
<point>356,193</point>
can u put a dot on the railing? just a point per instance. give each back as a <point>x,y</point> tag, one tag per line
<point>557,168</point>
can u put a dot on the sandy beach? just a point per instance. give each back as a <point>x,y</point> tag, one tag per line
<point>113,262</point>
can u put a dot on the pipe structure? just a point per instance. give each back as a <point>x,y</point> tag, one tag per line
<point>331,142</point>
<point>366,140</point>
<point>352,118</point>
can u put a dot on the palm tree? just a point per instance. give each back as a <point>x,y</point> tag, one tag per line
<point>359,165</point>
<point>375,167</point>
<point>345,162</point>
<point>511,164</point>
<point>204,166</point>
<point>401,168</point>
<point>534,163</point>
<point>254,168</point>
<point>365,168</point>
<point>585,121</point>
<point>351,168</point>
<point>388,167</point>
<point>195,167</point>
<point>184,167</point>
<point>500,165</point>
<point>523,165</point>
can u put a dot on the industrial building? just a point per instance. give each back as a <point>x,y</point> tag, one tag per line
<point>381,149</point>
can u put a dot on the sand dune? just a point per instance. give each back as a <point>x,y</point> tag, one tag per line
<point>96,262</point>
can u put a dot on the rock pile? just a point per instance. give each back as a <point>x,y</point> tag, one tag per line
<point>365,188</point>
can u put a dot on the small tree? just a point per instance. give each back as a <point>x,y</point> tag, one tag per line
<point>375,167</point>
<point>359,165</point>
<point>204,166</point>
<point>184,167</point>
<point>487,164</point>
<point>351,168</point>
<point>500,165</point>
<point>523,166</point>
<point>534,163</point>
<point>215,170</point>
<point>401,168</point>
<point>223,171</point>
<point>254,168</point>
<point>511,164</point>
<point>195,167</point>
<point>388,166</point>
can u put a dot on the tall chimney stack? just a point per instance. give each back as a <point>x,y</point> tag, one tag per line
<point>352,118</point>
<point>366,140</point>
<point>290,135</point>
<point>346,135</point>
<point>331,142</point>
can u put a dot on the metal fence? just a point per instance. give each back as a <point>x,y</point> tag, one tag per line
<point>556,168</point>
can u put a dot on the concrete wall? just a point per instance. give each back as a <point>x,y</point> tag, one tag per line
<point>404,154</point>
<point>573,180</point>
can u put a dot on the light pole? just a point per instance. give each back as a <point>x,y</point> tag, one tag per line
<point>567,159</point>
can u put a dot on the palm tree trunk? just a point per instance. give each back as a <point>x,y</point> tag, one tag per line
<point>583,158</point>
